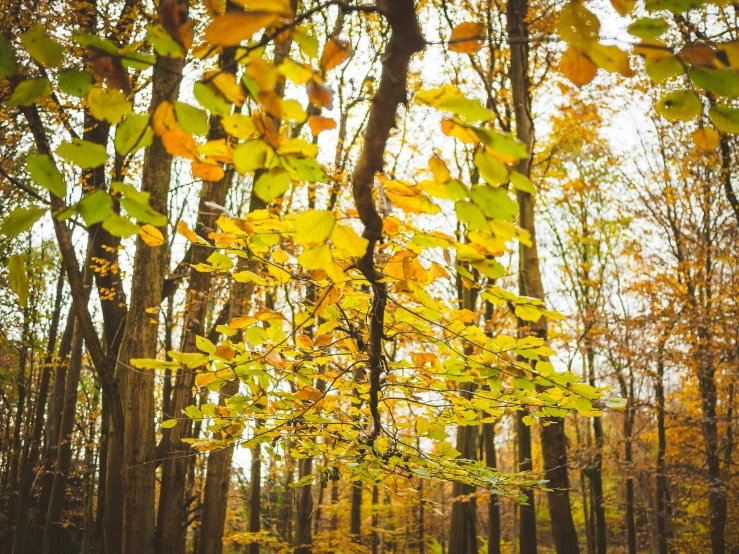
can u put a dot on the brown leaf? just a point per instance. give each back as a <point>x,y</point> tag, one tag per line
<point>320,95</point>
<point>106,66</point>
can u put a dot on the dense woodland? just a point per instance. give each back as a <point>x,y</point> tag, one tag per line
<point>343,276</point>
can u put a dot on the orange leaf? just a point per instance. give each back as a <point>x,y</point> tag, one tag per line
<point>179,143</point>
<point>466,38</point>
<point>164,119</point>
<point>319,124</point>
<point>706,139</point>
<point>225,351</point>
<point>233,28</point>
<point>207,172</point>
<point>335,53</point>
<point>576,67</point>
<point>309,393</point>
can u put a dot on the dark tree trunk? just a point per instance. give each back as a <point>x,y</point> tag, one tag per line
<point>661,478</point>
<point>303,529</point>
<point>29,470</point>
<point>553,440</point>
<point>494,536</point>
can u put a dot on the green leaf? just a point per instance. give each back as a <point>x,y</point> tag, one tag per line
<point>648,27</point>
<point>307,43</point>
<point>724,82</point>
<point>133,134</point>
<point>95,207</point>
<point>449,98</point>
<point>108,104</point>
<point>83,153</point>
<point>272,184</point>
<point>162,42</point>
<point>314,226</point>
<point>680,105</point>
<point>252,155</point>
<point>20,220</point>
<point>211,99</point>
<point>44,50</point>
<point>138,60</point>
<point>193,413</point>
<point>192,119</point>
<point>522,183</point>
<point>494,202</point>
<point>664,68</point>
<point>8,64</point>
<point>490,168</point>
<point>505,145</point>
<point>142,212</point>
<point>17,278</point>
<point>169,423</point>
<point>304,169</point>
<point>44,172</point>
<point>28,92</point>
<point>120,226</point>
<point>616,403</point>
<point>725,119</point>
<point>129,191</point>
<point>75,82</point>
<point>472,215</point>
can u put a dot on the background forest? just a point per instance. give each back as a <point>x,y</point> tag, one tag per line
<point>433,276</point>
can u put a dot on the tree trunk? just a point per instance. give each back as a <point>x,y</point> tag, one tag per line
<point>255,497</point>
<point>463,525</point>
<point>172,516</point>
<point>140,338</point>
<point>494,537</point>
<point>54,524</point>
<point>29,474</point>
<point>662,500</point>
<point>553,440</point>
<point>527,513</point>
<point>355,525</point>
<point>303,530</point>
<point>596,472</point>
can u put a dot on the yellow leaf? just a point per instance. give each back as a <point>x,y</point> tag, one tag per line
<point>336,52</point>
<point>611,58</point>
<point>576,67</point>
<point>318,257</point>
<point>108,104</point>
<point>249,277</point>
<point>275,6</point>
<point>314,226</point>
<point>319,124</point>
<point>298,73</point>
<point>466,38</point>
<point>229,87</point>
<point>233,28</point>
<point>304,341</point>
<point>706,139</point>
<point>239,126</point>
<point>623,7</point>
<point>439,170</point>
<point>347,240</point>
<point>151,235</point>
<point>263,73</point>
<point>168,424</point>
<point>207,172</point>
<point>206,378</point>
<point>578,26</point>
<point>217,150</point>
<point>465,134</point>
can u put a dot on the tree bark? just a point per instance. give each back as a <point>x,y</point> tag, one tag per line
<point>662,502</point>
<point>553,440</point>
<point>303,530</point>
<point>494,535</point>
<point>54,524</point>
<point>140,338</point>
<point>29,474</point>
<point>172,513</point>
